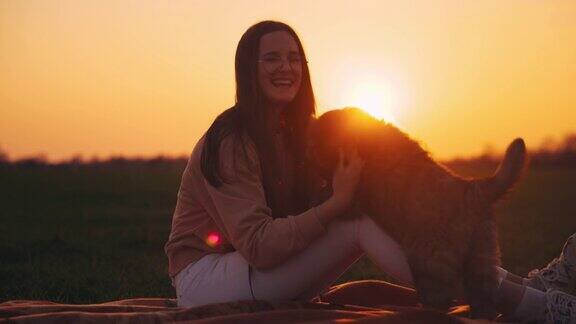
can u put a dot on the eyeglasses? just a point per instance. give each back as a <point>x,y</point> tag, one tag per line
<point>274,63</point>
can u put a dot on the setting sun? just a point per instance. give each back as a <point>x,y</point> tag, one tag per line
<point>380,92</point>
<point>375,100</point>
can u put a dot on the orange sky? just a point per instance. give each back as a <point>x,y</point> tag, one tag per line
<point>101,78</point>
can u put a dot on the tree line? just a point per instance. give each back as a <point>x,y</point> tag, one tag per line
<point>551,153</point>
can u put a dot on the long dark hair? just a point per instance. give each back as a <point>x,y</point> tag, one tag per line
<point>246,118</point>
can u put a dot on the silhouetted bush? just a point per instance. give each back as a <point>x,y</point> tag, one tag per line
<point>551,154</point>
<point>4,160</point>
<point>38,161</point>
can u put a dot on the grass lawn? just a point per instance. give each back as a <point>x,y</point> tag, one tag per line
<point>92,234</point>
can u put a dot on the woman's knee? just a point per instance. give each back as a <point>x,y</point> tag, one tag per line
<point>383,250</point>
<point>319,264</point>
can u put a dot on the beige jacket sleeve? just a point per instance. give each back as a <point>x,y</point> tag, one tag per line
<point>240,203</point>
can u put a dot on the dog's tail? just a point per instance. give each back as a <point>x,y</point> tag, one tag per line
<point>508,173</point>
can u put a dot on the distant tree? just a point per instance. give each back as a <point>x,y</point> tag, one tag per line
<point>74,160</point>
<point>39,160</point>
<point>489,153</point>
<point>548,144</point>
<point>569,143</point>
<point>94,160</point>
<point>4,159</point>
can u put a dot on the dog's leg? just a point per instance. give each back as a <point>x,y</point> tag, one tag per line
<point>437,275</point>
<point>480,274</point>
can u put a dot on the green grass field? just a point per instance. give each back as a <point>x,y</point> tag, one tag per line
<point>81,235</point>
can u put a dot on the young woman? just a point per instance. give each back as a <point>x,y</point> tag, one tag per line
<point>244,226</point>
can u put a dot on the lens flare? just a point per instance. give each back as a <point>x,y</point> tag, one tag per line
<point>213,239</point>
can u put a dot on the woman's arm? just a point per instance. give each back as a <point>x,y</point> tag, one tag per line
<point>240,206</point>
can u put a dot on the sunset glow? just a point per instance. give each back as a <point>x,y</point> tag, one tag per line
<point>367,85</point>
<point>108,78</point>
<point>375,100</point>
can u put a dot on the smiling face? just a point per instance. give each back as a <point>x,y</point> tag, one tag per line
<point>279,67</point>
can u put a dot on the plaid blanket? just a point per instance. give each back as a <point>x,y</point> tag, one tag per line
<point>161,310</point>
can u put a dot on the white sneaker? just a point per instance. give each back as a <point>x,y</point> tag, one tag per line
<point>560,308</point>
<point>560,273</point>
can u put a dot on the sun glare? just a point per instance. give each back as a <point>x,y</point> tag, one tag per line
<point>380,93</point>
<point>374,99</point>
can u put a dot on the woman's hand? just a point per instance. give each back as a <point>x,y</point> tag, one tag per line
<point>346,177</point>
<point>344,183</point>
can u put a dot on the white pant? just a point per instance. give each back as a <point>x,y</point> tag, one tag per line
<point>219,278</point>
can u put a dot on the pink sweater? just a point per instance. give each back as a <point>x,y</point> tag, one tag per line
<point>233,216</point>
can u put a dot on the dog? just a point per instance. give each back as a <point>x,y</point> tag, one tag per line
<point>444,223</point>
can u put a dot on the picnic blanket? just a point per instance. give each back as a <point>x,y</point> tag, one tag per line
<point>163,310</point>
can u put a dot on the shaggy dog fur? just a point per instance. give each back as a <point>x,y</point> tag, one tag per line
<point>444,223</point>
